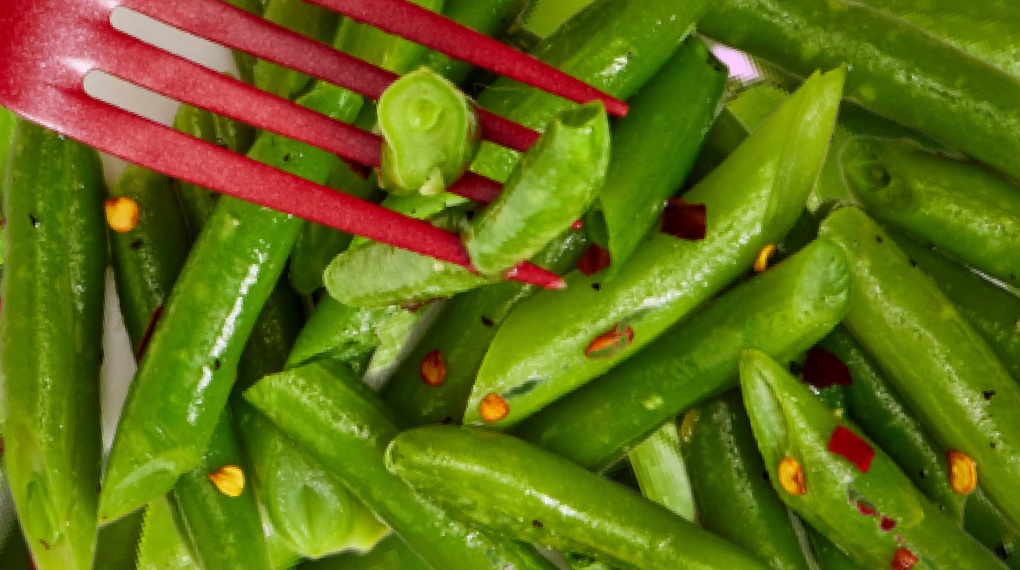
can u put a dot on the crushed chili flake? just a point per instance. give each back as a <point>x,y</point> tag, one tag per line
<point>433,369</point>
<point>887,524</point>
<point>229,479</point>
<point>791,476</point>
<point>578,224</point>
<point>685,221</point>
<point>866,508</point>
<point>494,408</point>
<point>963,476</point>
<point>149,330</point>
<point>761,263</point>
<point>595,259</point>
<point>848,444</point>
<point>121,214</point>
<point>822,369</point>
<point>610,343</point>
<point>904,559</point>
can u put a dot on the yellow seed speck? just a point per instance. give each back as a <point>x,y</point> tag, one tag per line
<point>761,263</point>
<point>121,214</point>
<point>791,476</point>
<point>229,479</point>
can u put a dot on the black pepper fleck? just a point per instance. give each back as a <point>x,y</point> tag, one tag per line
<point>487,321</point>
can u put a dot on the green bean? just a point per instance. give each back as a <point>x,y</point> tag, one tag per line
<point>379,274</point>
<point>678,105</point>
<point>555,183</point>
<point>751,201</point>
<point>895,69</point>
<point>661,472</point>
<point>8,121</point>
<point>305,18</point>
<point>543,17</point>
<point>731,485</point>
<point>223,530</point>
<point>338,420</point>
<point>873,513</point>
<point>50,338</point>
<point>986,30</point>
<point>430,133</point>
<point>338,332</point>
<point>992,310</point>
<point>615,45</point>
<point>117,544</point>
<point>308,506</point>
<point>784,312</point>
<point>828,555</point>
<point>185,378</point>
<point>198,203</point>
<point>934,359</point>
<point>957,206</point>
<point>523,492</point>
<point>147,258</point>
<point>874,405</point>
<point>459,338</point>
<point>161,546</point>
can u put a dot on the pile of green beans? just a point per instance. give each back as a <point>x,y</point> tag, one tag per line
<point>790,335</point>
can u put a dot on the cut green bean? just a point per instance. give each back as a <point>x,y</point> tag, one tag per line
<point>309,20</point>
<point>614,45</point>
<point>731,485</point>
<point>430,133</point>
<point>783,312</point>
<point>555,183</point>
<point>751,201</point>
<point>957,206</point>
<point>338,420</point>
<point>531,495</point>
<point>873,513</point>
<point>661,473</point>
<point>895,69</point>
<point>51,342</point>
<point>933,357</point>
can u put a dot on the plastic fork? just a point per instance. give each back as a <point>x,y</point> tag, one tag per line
<point>49,46</point>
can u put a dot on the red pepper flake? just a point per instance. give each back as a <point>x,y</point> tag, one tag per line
<point>791,476</point>
<point>822,369</point>
<point>433,369</point>
<point>578,224</point>
<point>847,443</point>
<point>866,508</point>
<point>595,259</point>
<point>610,343</point>
<point>149,330</point>
<point>887,524</point>
<point>685,221</point>
<point>963,476</point>
<point>904,559</point>
<point>493,408</point>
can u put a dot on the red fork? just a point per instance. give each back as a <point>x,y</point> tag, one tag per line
<point>50,45</point>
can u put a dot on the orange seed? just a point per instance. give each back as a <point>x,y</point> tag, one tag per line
<point>494,408</point>
<point>791,476</point>
<point>761,263</point>
<point>121,214</point>
<point>229,479</point>
<point>904,559</point>
<point>610,343</point>
<point>433,369</point>
<point>962,473</point>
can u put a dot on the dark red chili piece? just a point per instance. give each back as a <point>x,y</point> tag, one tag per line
<point>887,524</point>
<point>904,559</point>
<point>610,343</point>
<point>822,369</point>
<point>846,443</point>
<point>866,508</point>
<point>595,259</point>
<point>685,221</point>
<point>147,336</point>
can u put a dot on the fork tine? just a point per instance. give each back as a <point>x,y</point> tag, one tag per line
<point>417,24</point>
<point>183,80</point>
<point>218,21</point>
<point>177,155</point>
